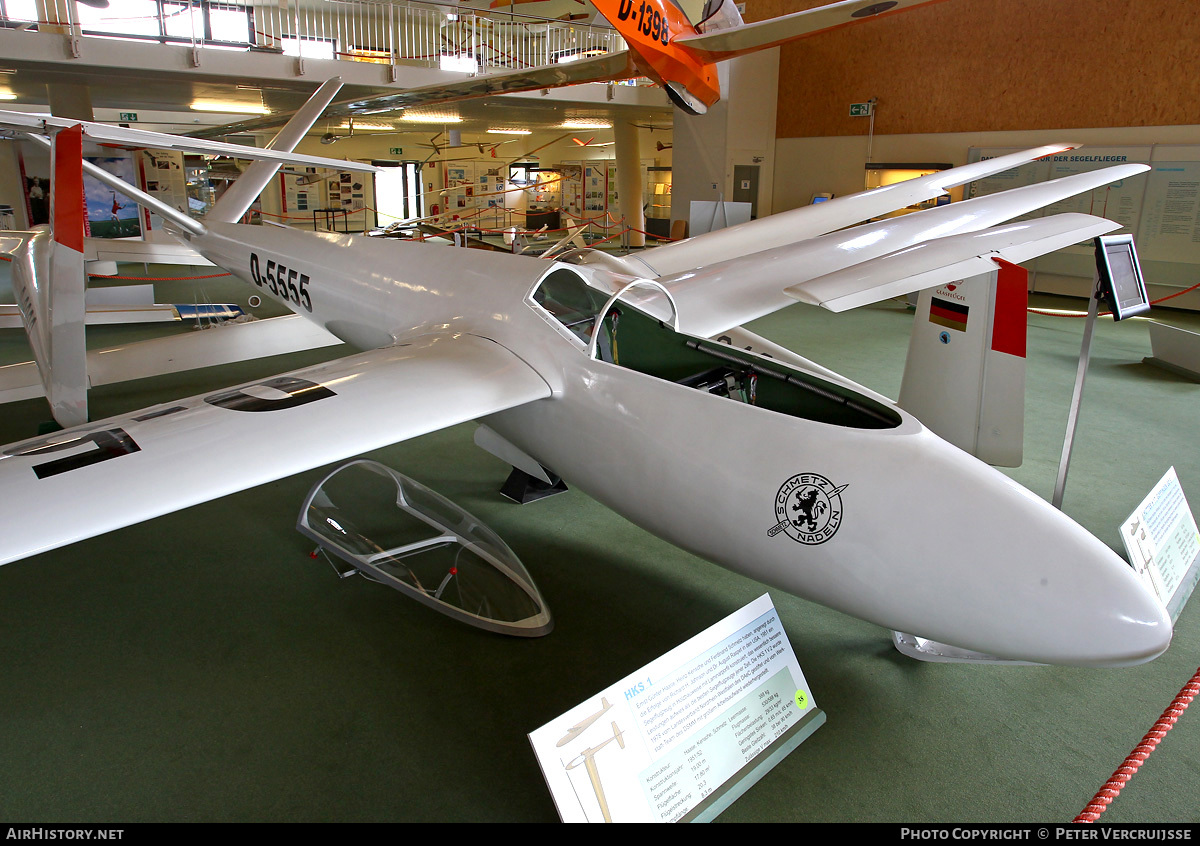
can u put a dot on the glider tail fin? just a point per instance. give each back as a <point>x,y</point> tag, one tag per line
<point>719,14</point>
<point>241,194</point>
<point>66,378</point>
<point>48,282</point>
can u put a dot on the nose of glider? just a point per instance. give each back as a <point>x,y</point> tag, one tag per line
<point>1070,598</point>
<point>995,569</point>
<point>1107,617</point>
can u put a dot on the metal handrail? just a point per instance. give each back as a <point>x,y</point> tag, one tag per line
<point>409,32</point>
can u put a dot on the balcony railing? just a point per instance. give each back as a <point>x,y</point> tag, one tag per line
<point>382,31</point>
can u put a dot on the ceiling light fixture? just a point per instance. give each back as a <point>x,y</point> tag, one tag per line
<point>431,118</point>
<point>7,95</point>
<point>585,124</point>
<point>510,132</point>
<point>507,104</point>
<point>230,108</point>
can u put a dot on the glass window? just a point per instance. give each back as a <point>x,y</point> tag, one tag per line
<point>180,20</point>
<point>463,63</point>
<point>130,17</point>
<point>307,47</point>
<point>229,23</point>
<point>571,301</point>
<point>20,10</point>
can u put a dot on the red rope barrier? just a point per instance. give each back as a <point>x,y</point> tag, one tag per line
<point>1106,313</point>
<point>1137,757</point>
<point>1176,294</point>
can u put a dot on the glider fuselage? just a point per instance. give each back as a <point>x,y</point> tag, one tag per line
<point>649,27</point>
<point>847,501</point>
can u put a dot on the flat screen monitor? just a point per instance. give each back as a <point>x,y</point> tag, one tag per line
<point>1121,276</point>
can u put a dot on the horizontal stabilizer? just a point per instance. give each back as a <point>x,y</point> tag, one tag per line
<point>165,211</point>
<point>142,138</point>
<point>727,43</point>
<point>235,202</point>
<point>215,346</point>
<point>794,225</point>
<point>127,250</point>
<point>946,260</point>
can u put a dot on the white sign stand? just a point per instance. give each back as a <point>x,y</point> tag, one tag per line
<point>1163,543</point>
<point>707,216</point>
<point>681,739</point>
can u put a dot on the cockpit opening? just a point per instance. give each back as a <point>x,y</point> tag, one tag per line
<point>630,338</point>
<point>628,335</point>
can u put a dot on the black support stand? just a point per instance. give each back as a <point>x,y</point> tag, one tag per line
<point>521,488</point>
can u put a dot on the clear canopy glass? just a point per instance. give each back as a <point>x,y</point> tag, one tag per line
<point>398,532</point>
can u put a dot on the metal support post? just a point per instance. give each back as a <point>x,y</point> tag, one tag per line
<point>1085,354</point>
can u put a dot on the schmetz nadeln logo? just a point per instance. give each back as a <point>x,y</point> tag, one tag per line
<point>808,508</point>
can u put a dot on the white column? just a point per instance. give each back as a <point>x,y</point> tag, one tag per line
<point>629,181</point>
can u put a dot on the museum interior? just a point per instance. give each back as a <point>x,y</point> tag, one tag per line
<point>227,656</point>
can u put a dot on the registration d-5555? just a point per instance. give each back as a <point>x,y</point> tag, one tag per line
<point>285,283</point>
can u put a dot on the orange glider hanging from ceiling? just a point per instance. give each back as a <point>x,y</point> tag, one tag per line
<point>662,45</point>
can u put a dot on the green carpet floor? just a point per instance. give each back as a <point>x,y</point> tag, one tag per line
<point>201,667</point>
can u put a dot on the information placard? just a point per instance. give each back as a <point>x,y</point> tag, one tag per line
<point>1163,543</point>
<point>1119,201</point>
<point>687,734</point>
<point>1171,224</point>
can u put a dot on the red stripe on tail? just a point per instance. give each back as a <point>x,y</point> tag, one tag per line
<point>70,204</point>
<point>1010,320</point>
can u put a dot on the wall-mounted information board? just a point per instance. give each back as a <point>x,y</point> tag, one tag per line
<point>1161,208</point>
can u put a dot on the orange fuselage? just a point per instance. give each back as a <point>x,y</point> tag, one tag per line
<point>650,27</point>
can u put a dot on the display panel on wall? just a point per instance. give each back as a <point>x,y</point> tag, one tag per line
<point>1160,208</point>
<point>476,194</point>
<point>590,192</point>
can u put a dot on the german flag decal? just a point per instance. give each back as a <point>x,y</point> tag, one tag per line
<point>947,313</point>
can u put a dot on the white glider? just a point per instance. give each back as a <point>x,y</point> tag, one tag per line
<point>600,370</point>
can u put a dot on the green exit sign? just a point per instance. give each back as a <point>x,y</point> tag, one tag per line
<point>396,151</point>
<point>860,110</point>
<point>128,115</point>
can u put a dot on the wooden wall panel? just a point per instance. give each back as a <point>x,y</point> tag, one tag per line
<point>993,65</point>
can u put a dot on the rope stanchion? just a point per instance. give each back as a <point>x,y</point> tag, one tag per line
<point>609,238</point>
<point>1137,757</point>
<point>652,235</point>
